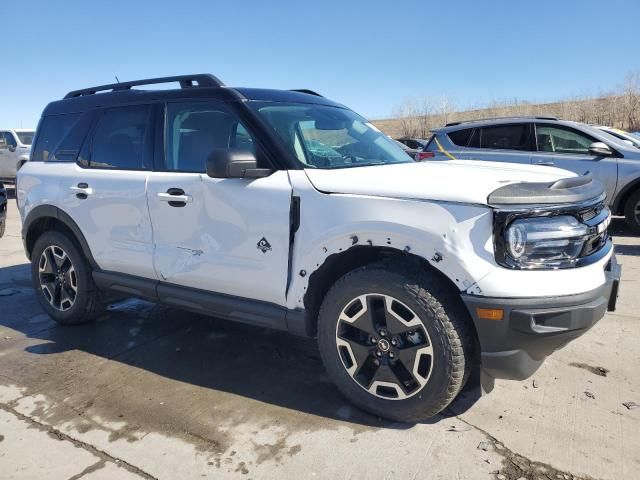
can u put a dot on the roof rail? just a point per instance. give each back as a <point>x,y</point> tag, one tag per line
<point>306,90</point>
<point>513,117</point>
<point>186,81</point>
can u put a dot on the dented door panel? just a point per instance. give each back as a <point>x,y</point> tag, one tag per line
<point>231,237</point>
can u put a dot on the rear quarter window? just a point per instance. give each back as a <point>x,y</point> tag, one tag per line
<point>460,137</point>
<point>51,131</point>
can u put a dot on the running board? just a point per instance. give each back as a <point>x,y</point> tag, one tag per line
<point>229,307</point>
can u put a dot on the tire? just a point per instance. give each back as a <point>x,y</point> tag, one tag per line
<point>632,211</point>
<point>64,266</point>
<point>443,329</point>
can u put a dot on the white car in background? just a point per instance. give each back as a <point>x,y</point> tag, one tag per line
<point>626,137</point>
<point>15,148</point>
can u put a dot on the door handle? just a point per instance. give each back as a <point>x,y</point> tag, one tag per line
<point>175,197</point>
<point>81,190</point>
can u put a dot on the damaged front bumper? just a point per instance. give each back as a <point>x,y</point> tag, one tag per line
<point>531,329</point>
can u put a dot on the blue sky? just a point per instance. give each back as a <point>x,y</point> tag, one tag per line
<point>369,55</point>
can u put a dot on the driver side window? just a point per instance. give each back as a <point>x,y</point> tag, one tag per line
<point>194,130</point>
<point>9,140</point>
<point>562,140</point>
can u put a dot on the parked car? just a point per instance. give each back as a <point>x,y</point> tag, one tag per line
<point>3,209</point>
<point>15,148</point>
<point>412,152</point>
<point>413,143</point>
<point>544,141</point>
<point>210,199</point>
<point>622,135</point>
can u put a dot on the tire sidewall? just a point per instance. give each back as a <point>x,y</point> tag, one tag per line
<point>82,271</point>
<point>629,212</point>
<point>411,294</point>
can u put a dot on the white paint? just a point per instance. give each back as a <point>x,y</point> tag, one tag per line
<point>451,181</point>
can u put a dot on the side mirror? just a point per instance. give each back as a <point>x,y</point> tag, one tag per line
<point>12,148</point>
<point>600,149</point>
<point>230,163</point>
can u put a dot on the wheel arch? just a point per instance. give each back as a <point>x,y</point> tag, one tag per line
<point>44,218</point>
<point>622,197</point>
<point>338,264</point>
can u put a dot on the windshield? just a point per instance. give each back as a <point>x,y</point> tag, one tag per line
<point>320,136</point>
<point>26,138</point>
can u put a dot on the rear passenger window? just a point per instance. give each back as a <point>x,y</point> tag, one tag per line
<point>51,131</point>
<point>506,137</point>
<point>460,137</point>
<point>120,139</point>
<point>194,130</point>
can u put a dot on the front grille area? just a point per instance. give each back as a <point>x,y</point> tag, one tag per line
<point>587,215</point>
<point>597,218</point>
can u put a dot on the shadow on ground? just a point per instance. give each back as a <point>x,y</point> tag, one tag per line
<point>265,365</point>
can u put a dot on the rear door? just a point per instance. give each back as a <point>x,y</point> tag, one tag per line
<point>105,192</point>
<point>509,142</point>
<point>568,148</point>
<point>223,235</point>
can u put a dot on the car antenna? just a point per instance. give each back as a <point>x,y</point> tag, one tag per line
<point>117,79</point>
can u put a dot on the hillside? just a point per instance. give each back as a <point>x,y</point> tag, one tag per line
<point>415,119</point>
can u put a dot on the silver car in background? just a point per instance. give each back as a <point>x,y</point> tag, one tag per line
<point>548,141</point>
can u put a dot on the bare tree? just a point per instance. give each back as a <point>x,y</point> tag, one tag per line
<point>631,100</point>
<point>618,108</point>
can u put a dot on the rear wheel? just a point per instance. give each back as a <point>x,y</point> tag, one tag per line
<point>632,211</point>
<point>62,280</point>
<point>395,344</point>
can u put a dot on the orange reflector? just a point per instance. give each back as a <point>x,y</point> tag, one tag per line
<point>490,313</point>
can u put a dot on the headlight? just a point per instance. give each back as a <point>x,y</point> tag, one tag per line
<point>547,242</point>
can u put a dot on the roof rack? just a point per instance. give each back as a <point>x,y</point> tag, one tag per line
<point>306,90</point>
<point>514,117</point>
<point>186,81</point>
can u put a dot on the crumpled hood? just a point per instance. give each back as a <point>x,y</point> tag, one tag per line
<point>464,181</point>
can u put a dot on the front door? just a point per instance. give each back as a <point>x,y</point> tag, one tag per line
<point>567,148</point>
<point>224,235</point>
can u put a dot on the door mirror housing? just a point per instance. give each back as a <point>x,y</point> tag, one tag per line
<point>12,148</point>
<point>600,149</point>
<point>232,163</point>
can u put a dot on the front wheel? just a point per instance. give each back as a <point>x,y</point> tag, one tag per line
<point>397,345</point>
<point>632,211</point>
<point>62,280</point>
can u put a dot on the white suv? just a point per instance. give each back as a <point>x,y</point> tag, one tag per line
<point>15,148</point>
<point>286,210</point>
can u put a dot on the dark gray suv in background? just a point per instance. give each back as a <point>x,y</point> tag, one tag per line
<point>548,141</point>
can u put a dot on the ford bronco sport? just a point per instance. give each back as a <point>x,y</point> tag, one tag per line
<point>286,210</point>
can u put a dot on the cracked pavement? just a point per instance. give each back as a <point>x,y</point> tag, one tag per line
<point>152,392</point>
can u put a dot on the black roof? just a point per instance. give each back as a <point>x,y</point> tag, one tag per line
<point>207,87</point>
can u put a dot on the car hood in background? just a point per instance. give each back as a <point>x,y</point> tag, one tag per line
<point>447,181</point>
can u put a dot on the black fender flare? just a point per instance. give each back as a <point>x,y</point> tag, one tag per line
<point>50,211</point>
